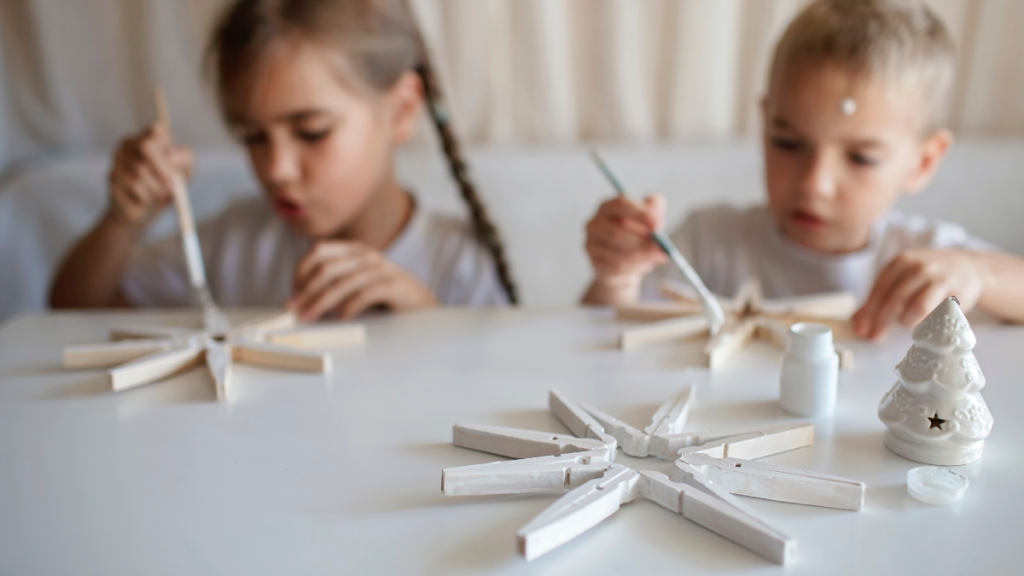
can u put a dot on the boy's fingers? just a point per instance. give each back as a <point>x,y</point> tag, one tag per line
<point>863,320</point>
<point>922,303</point>
<point>610,261</point>
<point>896,301</point>
<point>618,237</point>
<point>655,206</point>
<point>603,221</point>
<point>626,209</point>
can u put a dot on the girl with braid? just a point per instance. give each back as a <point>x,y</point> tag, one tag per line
<point>321,93</point>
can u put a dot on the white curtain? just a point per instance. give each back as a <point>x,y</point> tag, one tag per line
<point>77,74</point>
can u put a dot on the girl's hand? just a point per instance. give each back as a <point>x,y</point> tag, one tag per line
<point>620,248</point>
<point>913,284</point>
<point>344,279</point>
<point>141,177</point>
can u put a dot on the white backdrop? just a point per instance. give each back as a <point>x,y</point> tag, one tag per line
<point>77,73</point>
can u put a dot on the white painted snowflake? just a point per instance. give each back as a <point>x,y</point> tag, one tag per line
<point>709,468</point>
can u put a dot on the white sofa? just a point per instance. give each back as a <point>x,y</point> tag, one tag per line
<point>540,198</point>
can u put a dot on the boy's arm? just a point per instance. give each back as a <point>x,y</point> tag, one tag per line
<point>89,275</point>
<point>1003,291</point>
<point>915,282</point>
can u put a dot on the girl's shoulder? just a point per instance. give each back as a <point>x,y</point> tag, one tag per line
<point>443,251</point>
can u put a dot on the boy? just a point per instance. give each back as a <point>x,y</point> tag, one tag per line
<point>853,119</point>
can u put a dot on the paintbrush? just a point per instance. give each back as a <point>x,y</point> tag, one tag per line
<point>712,308</point>
<point>213,317</point>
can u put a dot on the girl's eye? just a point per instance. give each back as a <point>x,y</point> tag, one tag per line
<point>254,138</point>
<point>787,144</point>
<point>313,136</point>
<point>863,159</point>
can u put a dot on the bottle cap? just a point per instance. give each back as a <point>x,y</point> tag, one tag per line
<point>810,341</point>
<point>936,485</point>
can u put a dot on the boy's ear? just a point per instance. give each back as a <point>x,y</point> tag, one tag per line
<point>405,101</point>
<point>933,150</point>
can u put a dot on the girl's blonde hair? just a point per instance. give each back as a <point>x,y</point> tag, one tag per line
<point>380,41</point>
<point>899,41</point>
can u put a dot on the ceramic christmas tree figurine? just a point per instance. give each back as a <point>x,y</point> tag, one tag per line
<point>935,413</point>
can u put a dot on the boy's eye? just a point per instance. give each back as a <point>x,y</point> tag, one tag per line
<point>783,143</point>
<point>863,159</point>
<point>312,136</point>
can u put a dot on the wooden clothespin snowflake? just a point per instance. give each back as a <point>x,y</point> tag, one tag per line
<point>140,355</point>
<point>748,316</point>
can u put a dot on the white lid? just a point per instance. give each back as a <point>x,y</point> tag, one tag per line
<point>936,485</point>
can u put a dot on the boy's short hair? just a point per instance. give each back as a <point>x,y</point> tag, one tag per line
<point>902,41</point>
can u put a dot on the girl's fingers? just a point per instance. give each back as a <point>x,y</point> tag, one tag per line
<point>317,254</point>
<point>327,273</point>
<point>155,155</point>
<point>367,297</point>
<point>182,160</point>
<point>156,189</point>
<point>337,293</point>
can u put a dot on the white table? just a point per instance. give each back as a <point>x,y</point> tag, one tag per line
<point>310,474</point>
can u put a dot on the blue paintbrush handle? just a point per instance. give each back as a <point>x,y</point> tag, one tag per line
<point>712,307</point>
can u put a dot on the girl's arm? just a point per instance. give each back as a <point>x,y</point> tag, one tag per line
<point>140,187</point>
<point>89,275</point>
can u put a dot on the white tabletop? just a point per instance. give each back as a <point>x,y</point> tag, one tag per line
<point>313,474</point>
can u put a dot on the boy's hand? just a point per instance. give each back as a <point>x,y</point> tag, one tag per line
<point>620,247</point>
<point>142,173</point>
<point>913,284</point>
<point>344,279</point>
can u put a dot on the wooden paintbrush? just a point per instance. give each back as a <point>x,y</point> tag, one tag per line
<point>213,317</point>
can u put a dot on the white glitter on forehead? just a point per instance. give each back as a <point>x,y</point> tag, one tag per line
<point>848,106</point>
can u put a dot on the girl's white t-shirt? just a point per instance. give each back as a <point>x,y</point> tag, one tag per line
<point>726,245</point>
<point>251,255</point>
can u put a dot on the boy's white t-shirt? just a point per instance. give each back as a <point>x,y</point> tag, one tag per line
<point>251,255</point>
<point>726,245</point>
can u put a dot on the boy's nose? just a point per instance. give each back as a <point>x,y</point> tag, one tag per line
<point>819,179</point>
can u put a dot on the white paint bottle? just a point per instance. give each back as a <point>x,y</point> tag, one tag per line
<point>810,371</point>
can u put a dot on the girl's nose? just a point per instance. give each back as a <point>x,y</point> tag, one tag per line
<point>282,164</point>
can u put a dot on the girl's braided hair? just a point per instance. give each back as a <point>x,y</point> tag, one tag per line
<point>380,41</point>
